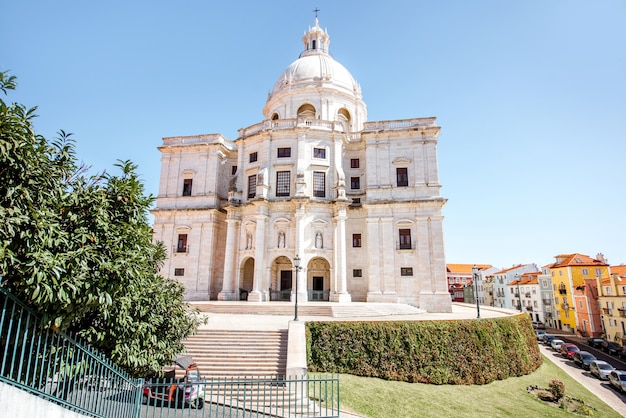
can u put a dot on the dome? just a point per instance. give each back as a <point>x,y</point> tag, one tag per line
<point>317,79</point>
<point>312,70</point>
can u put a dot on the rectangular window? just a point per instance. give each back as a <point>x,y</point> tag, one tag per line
<point>187,187</point>
<point>253,157</point>
<point>283,183</point>
<point>356,240</point>
<point>356,201</point>
<point>402,177</point>
<point>355,183</point>
<point>406,271</point>
<point>354,163</point>
<point>179,272</point>
<point>233,170</point>
<point>251,186</point>
<point>284,152</point>
<point>319,152</point>
<point>405,239</point>
<point>181,247</point>
<point>585,272</point>
<point>357,273</point>
<point>599,272</point>
<point>319,184</point>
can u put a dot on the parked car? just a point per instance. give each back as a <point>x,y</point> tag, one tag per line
<point>622,352</point>
<point>539,325</point>
<point>547,339</point>
<point>556,344</point>
<point>600,369</point>
<point>610,347</point>
<point>618,379</point>
<point>583,359</point>
<point>568,350</point>
<point>595,342</point>
<point>540,333</point>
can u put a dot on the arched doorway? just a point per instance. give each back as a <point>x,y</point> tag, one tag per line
<point>246,281</point>
<point>282,279</point>
<point>318,280</point>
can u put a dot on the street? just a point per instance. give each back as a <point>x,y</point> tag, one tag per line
<point>600,388</point>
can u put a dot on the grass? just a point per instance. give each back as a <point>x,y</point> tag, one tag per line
<point>505,398</point>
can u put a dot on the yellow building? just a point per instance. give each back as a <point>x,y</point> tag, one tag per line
<point>568,272</point>
<point>612,301</point>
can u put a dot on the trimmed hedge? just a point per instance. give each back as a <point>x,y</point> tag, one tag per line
<point>459,352</point>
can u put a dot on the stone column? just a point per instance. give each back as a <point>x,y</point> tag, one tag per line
<point>433,295</point>
<point>388,249</point>
<point>341,293</point>
<point>374,256</point>
<point>232,232</point>
<point>259,282</point>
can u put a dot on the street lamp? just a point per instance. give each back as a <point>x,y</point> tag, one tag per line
<point>475,277</point>
<point>296,263</point>
<point>519,295</point>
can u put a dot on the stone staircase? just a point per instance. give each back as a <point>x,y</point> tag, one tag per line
<point>236,353</point>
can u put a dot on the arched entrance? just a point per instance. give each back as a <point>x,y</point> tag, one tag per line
<point>282,279</point>
<point>246,281</point>
<point>318,280</point>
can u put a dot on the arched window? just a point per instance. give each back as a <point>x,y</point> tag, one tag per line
<point>306,111</point>
<point>275,116</point>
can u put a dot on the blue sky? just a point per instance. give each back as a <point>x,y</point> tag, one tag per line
<point>530,96</point>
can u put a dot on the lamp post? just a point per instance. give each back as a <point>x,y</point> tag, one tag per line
<point>519,295</point>
<point>475,277</point>
<point>296,263</point>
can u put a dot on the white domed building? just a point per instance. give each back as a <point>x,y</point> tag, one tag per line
<point>357,204</point>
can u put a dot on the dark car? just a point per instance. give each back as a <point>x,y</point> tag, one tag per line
<point>568,350</point>
<point>595,342</point>
<point>621,353</point>
<point>611,347</point>
<point>547,339</point>
<point>583,359</point>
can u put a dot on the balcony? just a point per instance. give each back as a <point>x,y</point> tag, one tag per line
<point>622,312</point>
<point>547,302</point>
<point>563,291</point>
<point>527,294</point>
<point>606,311</point>
<point>529,308</point>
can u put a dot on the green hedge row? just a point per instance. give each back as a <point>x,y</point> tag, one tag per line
<point>439,352</point>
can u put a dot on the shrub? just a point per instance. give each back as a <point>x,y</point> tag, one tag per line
<point>439,352</point>
<point>557,388</point>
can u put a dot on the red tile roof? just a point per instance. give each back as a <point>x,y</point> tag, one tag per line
<point>565,260</point>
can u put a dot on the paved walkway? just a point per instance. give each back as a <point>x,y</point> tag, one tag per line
<point>243,321</point>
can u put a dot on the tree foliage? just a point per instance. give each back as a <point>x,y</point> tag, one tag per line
<point>78,248</point>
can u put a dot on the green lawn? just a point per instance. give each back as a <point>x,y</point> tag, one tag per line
<point>507,398</point>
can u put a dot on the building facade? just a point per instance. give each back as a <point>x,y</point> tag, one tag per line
<point>503,294</point>
<point>612,302</point>
<point>356,203</point>
<point>568,273</point>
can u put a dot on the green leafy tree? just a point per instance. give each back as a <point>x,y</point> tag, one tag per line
<point>78,248</point>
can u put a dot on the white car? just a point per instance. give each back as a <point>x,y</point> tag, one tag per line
<point>540,333</point>
<point>600,369</point>
<point>556,344</point>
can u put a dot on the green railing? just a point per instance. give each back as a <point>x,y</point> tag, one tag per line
<point>60,367</point>
<point>315,395</point>
<point>64,370</point>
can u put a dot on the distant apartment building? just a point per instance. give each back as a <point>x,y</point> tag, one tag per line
<point>612,301</point>
<point>502,293</point>
<point>568,272</point>
<point>587,309</point>
<point>460,277</point>
<point>527,295</point>
<point>547,297</point>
